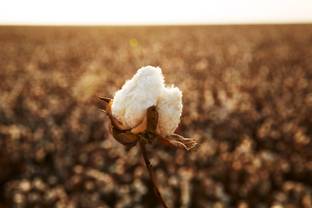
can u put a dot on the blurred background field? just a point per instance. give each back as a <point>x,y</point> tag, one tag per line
<point>247,98</point>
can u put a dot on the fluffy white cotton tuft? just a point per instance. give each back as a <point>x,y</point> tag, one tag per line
<point>136,95</point>
<point>169,108</point>
<point>145,89</point>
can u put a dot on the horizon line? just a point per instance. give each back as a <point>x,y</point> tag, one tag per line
<point>303,22</point>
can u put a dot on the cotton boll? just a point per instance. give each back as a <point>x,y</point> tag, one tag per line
<point>169,108</point>
<point>136,95</point>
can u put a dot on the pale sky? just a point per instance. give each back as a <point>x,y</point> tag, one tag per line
<point>124,12</point>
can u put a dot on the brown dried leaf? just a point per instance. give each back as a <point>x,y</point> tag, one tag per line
<point>179,141</point>
<point>125,137</point>
<point>105,101</point>
<point>152,119</point>
<point>108,109</point>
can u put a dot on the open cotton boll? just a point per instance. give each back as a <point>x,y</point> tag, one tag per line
<point>136,95</point>
<point>169,108</point>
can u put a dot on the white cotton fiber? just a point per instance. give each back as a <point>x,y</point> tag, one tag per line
<point>169,109</point>
<point>136,95</point>
<point>145,89</point>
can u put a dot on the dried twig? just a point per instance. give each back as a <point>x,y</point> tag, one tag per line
<point>151,173</point>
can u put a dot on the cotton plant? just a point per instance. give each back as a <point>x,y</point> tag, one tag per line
<point>145,110</point>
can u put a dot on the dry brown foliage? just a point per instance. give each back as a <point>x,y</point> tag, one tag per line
<point>247,97</point>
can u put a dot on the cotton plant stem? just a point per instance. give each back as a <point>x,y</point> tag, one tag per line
<point>151,173</point>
